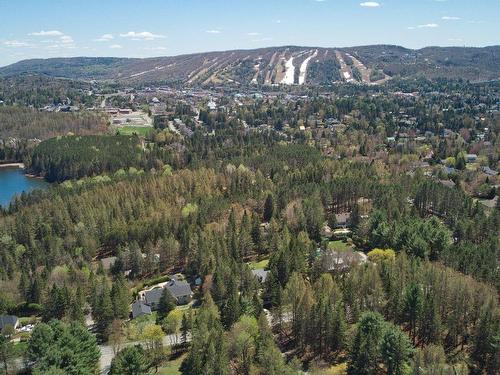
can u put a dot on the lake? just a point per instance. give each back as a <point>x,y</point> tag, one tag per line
<point>13,181</point>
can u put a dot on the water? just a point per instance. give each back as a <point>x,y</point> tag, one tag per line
<point>13,181</point>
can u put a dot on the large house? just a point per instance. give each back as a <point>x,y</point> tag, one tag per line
<point>340,261</point>
<point>180,290</point>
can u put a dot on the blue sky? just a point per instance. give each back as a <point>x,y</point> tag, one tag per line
<point>144,28</point>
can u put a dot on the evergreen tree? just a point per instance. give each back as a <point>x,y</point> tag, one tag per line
<point>364,355</point>
<point>131,360</point>
<point>166,304</point>
<point>268,208</point>
<point>395,350</point>
<point>120,298</point>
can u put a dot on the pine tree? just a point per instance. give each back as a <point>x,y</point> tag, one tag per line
<point>365,352</point>
<point>268,208</point>
<point>120,298</point>
<point>166,304</point>
<point>103,314</point>
<point>412,307</point>
<point>395,350</point>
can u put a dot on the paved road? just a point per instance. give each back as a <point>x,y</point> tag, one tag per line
<point>107,353</point>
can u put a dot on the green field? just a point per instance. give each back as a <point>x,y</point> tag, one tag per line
<point>258,264</point>
<point>339,245</point>
<point>172,367</point>
<point>139,130</point>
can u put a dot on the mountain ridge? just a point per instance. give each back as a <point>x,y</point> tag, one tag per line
<point>371,64</point>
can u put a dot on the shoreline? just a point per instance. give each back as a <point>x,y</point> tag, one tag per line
<point>12,165</point>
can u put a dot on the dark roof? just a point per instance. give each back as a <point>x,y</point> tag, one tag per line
<point>139,308</point>
<point>179,288</point>
<point>8,320</point>
<point>153,296</point>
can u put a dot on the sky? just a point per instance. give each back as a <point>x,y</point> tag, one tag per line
<point>147,28</point>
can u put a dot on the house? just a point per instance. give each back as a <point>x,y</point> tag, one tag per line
<point>490,172</point>
<point>326,231</point>
<point>260,274</point>
<point>212,106</point>
<point>339,261</point>
<point>152,297</point>
<point>139,308</point>
<point>471,158</point>
<point>8,320</point>
<point>342,219</point>
<point>180,290</point>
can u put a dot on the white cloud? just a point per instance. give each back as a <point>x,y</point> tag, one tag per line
<point>47,33</point>
<point>115,46</point>
<point>450,18</point>
<point>15,43</point>
<point>253,33</point>
<point>212,31</point>
<point>278,21</point>
<point>66,39</point>
<point>428,26</point>
<point>370,4</point>
<point>104,38</point>
<point>142,35</point>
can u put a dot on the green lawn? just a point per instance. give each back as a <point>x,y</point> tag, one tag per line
<point>259,264</point>
<point>339,245</point>
<point>172,367</point>
<point>139,130</point>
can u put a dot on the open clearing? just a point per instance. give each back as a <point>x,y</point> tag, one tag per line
<point>130,130</point>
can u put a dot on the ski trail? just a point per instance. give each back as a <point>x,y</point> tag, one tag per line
<point>303,68</point>
<point>290,72</point>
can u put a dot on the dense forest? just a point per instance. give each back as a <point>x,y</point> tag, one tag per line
<point>265,186</point>
<point>74,157</point>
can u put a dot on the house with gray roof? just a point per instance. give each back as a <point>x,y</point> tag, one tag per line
<point>8,320</point>
<point>139,308</point>
<point>152,297</point>
<point>180,290</point>
<point>260,274</point>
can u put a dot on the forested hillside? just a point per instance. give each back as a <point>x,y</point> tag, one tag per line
<point>276,65</point>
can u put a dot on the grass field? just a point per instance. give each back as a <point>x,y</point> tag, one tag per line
<point>172,367</point>
<point>139,130</point>
<point>259,264</point>
<point>339,245</point>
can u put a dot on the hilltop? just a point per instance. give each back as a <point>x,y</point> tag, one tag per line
<point>276,65</point>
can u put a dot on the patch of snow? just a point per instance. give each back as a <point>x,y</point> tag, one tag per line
<point>347,75</point>
<point>290,72</point>
<point>303,68</point>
